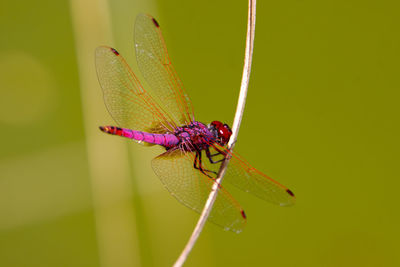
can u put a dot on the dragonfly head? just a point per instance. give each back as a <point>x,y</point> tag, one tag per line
<point>221,131</point>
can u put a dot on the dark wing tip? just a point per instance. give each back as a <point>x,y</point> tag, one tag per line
<point>290,192</point>
<point>155,22</point>
<point>114,51</point>
<point>243,214</point>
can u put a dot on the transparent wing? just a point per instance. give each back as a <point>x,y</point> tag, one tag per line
<point>155,65</point>
<point>191,187</point>
<point>242,175</point>
<point>127,101</point>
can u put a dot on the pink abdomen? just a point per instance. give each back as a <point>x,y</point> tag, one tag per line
<point>167,140</point>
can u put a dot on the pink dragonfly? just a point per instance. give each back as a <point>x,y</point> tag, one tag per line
<point>164,116</point>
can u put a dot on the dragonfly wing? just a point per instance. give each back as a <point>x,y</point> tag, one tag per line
<point>155,65</point>
<point>192,188</point>
<point>242,175</point>
<point>128,102</point>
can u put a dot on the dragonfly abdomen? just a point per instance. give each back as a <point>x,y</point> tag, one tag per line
<point>167,140</point>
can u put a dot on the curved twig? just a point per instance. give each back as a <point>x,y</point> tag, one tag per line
<point>251,23</point>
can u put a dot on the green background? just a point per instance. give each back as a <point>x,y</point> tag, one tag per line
<point>322,117</point>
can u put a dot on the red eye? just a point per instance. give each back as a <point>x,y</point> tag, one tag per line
<point>224,132</point>
<point>217,124</point>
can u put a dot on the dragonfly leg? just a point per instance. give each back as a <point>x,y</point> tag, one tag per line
<point>197,165</point>
<point>213,155</point>
<point>210,156</point>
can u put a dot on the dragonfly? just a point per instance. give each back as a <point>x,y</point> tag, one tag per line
<point>163,115</point>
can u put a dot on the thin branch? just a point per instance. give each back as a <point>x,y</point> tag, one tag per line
<point>251,23</point>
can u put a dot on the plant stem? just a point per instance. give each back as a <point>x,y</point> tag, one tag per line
<point>251,23</point>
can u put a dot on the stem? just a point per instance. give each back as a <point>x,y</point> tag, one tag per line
<point>251,23</point>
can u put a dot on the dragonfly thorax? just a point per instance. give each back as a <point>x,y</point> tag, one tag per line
<point>195,136</point>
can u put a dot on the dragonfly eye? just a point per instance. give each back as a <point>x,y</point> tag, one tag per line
<point>221,131</point>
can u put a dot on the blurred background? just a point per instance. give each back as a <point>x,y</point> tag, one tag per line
<point>322,117</point>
